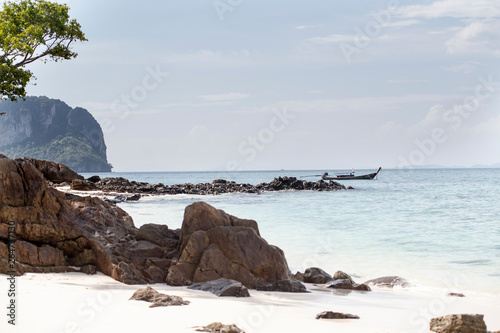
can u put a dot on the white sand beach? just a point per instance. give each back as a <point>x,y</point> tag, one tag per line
<point>75,302</point>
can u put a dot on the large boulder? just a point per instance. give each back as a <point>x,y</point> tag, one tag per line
<point>55,232</point>
<point>56,173</point>
<point>458,323</point>
<point>217,245</point>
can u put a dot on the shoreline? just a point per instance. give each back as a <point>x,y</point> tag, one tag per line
<point>97,303</point>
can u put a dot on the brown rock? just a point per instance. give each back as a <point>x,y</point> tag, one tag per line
<point>347,284</point>
<point>458,323</point>
<point>82,185</point>
<point>217,245</point>
<point>299,276</point>
<point>54,233</point>
<point>148,294</point>
<point>339,275</point>
<point>335,315</point>
<point>456,294</point>
<point>56,173</point>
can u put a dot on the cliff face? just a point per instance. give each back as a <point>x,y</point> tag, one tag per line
<point>49,129</point>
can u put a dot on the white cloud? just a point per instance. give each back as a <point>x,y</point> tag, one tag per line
<point>335,38</point>
<point>305,27</point>
<point>400,24</point>
<point>466,67</point>
<point>223,97</point>
<point>454,8</point>
<point>478,37</point>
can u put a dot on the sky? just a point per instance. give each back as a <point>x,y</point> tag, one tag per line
<point>259,85</point>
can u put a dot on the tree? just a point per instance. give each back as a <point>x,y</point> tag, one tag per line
<point>32,30</point>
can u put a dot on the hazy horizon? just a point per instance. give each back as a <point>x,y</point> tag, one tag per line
<point>240,85</point>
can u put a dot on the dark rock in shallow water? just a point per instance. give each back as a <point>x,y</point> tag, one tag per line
<point>94,179</point>
<point>148,294</point>
<point>342,280</point>
<point>218,186</point>
<point>456,294</point>
<point>389,281</point>
<point>222,287</point>
<point>458,323</point>
<point>316,275</point>
<point>335,315</point>
<point>347,284</point>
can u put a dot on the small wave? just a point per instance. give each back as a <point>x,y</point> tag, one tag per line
<point>472,262</point>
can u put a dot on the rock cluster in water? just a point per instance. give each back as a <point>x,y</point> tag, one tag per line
<point>218,186</point>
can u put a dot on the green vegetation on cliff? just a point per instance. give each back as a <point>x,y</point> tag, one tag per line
<point>48,129</point>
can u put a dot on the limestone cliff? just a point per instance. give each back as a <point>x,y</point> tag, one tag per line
<point>49,129</point>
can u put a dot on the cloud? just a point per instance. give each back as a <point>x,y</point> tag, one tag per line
<point>400,24</point>
<point>466,67</point>
<point>454,8</point>
<point>407,81</point>
<point>335,38</point>
<point>478,37</point>
<point>305,27</point>
<point>223,97</point>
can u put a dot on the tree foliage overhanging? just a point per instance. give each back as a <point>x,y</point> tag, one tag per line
<point>32,30</point>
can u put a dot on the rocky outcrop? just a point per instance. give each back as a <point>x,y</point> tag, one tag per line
<point>458,323</point>
<point>149,294</point>
<point>55,234</point>
<point>216,245</point>
<point>335,315</point>
<point>218,186</point>
<point>222,287</point>
<point>53,172</point>
<point>48,129</point>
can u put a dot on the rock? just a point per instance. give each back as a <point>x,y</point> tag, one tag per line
<point>220,328</point>
<point>149,294</point>
<point>82,185</point>
<point>56,232</point>
<point>56,173</point>
<point>94,179</point>
<point>89,269</point>
<point>335,315</point>
<point>316,275</point>
<point>339,275</point>
<point>289,286</point>
<point>389,282</point>
<point>458,323</point>
<point>158,234</point>
<point>222,287</point>
<point>347,284</point>
<point>134,197</point>
<point>299,276</point>
<point>217,245</point>
<point>456,294</point>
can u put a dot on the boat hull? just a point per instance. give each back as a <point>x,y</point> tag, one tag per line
<point>367,176</point>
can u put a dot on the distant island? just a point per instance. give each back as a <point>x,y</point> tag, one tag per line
<point>49,129</point>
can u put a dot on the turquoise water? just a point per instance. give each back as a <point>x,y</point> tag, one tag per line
<point>436,228</point>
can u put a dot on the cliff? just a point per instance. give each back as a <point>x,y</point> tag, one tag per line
<point>49,129</point>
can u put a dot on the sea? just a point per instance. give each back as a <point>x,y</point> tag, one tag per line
<point>437,228</point>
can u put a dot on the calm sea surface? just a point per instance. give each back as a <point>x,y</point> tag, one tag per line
<point>438,228</point>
